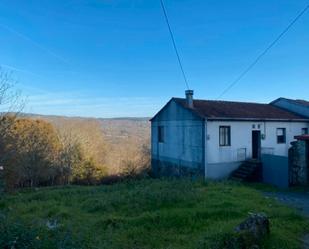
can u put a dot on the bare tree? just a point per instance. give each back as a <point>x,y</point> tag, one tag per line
<point>11,103</point>
<point>70,156</point>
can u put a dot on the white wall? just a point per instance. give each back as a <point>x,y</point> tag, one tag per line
<point>241,138</point>
<point>183,137</point>
<point>183,141</point>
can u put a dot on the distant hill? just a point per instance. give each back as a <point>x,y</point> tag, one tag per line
<point>125,136</point>
<point>118,129</point>
<point>114,129</point>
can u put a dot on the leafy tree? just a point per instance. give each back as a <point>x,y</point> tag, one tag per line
<point>31,151</point>
<point>88,173</point>
<point>36,155</point>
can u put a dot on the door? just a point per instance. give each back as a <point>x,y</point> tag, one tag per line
<point>256,144</point>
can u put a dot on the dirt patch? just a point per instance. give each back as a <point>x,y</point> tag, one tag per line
<point>299,201</point>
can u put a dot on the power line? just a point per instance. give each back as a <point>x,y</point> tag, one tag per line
<point>174,43</point>
<point>264,52</point>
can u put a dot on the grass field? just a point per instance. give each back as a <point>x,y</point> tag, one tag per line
<point>141,214</point>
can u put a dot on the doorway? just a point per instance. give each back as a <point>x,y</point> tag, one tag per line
<point>256,144</point>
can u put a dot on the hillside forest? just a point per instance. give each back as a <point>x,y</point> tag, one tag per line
<point>37,150</point>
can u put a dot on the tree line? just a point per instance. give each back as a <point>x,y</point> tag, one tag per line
<point>35,154</point>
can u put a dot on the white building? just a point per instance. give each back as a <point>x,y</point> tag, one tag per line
<point>213,138</point>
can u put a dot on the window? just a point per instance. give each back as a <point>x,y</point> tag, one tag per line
<point>225,136</point>
<point>281,135</point>
<point>161,134</point>
<point>304,131</point>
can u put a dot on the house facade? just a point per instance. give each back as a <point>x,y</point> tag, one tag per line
<point>212,138</point>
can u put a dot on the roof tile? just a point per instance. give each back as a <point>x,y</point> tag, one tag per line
<point>238,110</point>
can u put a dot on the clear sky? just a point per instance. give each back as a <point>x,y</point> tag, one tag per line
<point>109,58</point>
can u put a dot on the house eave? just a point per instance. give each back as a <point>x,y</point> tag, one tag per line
<point>256,119</point>
<point>160,110</point>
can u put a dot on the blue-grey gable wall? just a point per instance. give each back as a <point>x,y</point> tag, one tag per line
<point>292,106</point>
<point>182,152</point>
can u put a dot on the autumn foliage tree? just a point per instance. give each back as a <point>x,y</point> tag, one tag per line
<point>84,150</point>
<point>35,154</point>
<point>86,133</point>
<point>77,165</point>
<point>31,151</point>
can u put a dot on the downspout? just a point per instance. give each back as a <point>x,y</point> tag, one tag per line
<point>204,135</point>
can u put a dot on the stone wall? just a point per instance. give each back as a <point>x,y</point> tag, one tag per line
<point>298,163</point>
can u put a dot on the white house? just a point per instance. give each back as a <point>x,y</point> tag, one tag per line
<point>212,138</point>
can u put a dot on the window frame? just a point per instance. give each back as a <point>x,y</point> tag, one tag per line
<point>161,135</point>
<point>225,135</point>
<point>284,136</point>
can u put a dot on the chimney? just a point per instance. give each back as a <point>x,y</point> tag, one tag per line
<point>189,98</point>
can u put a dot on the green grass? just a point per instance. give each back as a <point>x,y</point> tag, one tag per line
<point>141,214</point>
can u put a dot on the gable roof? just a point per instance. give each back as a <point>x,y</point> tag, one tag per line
<point>301,102</point>
<point>180,105</point>
<point>223,110</point>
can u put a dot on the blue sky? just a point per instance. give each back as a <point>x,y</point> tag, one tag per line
<point>111,58</point>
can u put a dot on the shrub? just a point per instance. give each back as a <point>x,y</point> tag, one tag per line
<point>87,173</point>
<point>138,165</point>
